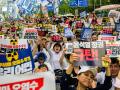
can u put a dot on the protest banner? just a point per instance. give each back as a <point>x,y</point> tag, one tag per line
<point>106,19</point>
<point>117,27</point>
<point>30,33</point>
<point>107,31</point>
<point>56,38</point>
<point>90,53</point>
<point>113,48</point>
<point>54,28</point>
<point>86,34</point>
<point>41,31</point>
<point>69,48</point>
<point>68,32</point>
<point>98,27</point>
<point>83,14</point>
<point>36,81</point>
<point>107,38</point>
<point>15,57</point>
<point>79,24</point>
<point>118,36</point>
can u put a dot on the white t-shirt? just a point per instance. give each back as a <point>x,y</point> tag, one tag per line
<point>117,83</point>
<point>47,54</point>
<point>101,77</point>
<point>54,60</point>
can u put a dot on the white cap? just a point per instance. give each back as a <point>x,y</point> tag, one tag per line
<point>84,69</point>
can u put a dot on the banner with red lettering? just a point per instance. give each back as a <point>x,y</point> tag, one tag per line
<point>107,38</point>
<point>36,81</point>
<point>90,53</point>
<point>113,48</point>
<point>107,30</point>
<point>30,33</point>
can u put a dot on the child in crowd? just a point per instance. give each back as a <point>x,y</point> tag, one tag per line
<point>40,62</point>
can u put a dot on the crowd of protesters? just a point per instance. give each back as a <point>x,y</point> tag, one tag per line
<point>49,50</point>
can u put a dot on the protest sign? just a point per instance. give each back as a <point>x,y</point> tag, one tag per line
<point>113,48</point>
<point>107,38</point>
<point>54,28</point>
<point>118,36</point>
<point>30,33</point>
<point>98,27</point>
<point>83,14</point>
<point>41,31</point>
<point>106,19</point>
<point>79,24</point>
<point>68,32</point>
<point>86,34</point>
<point>56,38</point>
<point>107,31</point>
<point>15,57</point>
<point>37,81</point>
<point>90,53</point>
<point>117,27</point>
<point>69,47</point>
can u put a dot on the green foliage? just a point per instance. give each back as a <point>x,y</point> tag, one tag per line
<point>65,8</point>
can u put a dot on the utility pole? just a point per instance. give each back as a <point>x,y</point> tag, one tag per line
<point>94,4</point>
<point>100,3</point>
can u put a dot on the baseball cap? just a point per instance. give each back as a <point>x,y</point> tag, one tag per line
<point>87,68</point>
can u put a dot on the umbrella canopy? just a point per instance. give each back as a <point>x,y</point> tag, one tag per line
<point>108,7</point>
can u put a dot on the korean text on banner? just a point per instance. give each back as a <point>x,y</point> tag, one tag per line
<point>113,48</point>
<point>15,57</point>
<point>86,34</point>
<point>30,33</point>
<point>90,53</point>
<point>68,32</point>
<point>37,81</point>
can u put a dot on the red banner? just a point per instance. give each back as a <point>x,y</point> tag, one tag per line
<point>33,84</point>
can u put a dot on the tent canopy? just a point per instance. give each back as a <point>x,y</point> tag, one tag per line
<point>108,7</point>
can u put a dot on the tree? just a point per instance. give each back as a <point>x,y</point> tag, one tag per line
<point>64,7</point>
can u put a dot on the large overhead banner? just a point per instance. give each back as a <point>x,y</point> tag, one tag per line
<point>37,81</point>
<point>83,3</point>
<point>80,3</point>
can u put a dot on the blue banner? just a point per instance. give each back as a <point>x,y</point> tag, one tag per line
<point>15,58</point>
<point>83,3</point>
<point>86,34</point>
<point>73,3</point>
<point>80,3</point>
<point>83,14</point>
<point>50,7</point>
<point>117,27</point>
<point>68,32</point>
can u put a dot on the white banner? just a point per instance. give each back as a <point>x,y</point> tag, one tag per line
<point>13,43</point>
<point>30,33</point>
<point>36,81</point>
<point>107,38</point>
